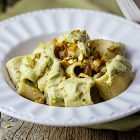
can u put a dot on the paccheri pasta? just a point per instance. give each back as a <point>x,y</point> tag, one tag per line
<point>72,70</point>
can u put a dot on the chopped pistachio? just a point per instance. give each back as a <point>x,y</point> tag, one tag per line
<point>71,61</point>
<point>37,55</point>
<point>73,47</point>
<point>39,100</point>
<point>104,58</point>
<point>32,63</point>
<point>86,61</point>
<point>80,58</point>
<point>96,64</point>
<point>54,41</point>
<point>64,63</point>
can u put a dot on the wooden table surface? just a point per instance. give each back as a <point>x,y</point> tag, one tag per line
<point>13,129</point>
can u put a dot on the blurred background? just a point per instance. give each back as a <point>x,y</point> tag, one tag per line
<point>10,8</point>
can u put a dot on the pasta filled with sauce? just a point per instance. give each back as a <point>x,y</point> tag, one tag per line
<point>72,70</point>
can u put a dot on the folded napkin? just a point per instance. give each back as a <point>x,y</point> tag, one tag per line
<point>124,124</point>
<point>110,6</point>
<point>29,5</point>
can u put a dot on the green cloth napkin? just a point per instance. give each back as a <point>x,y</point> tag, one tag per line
<point>23,6</point>
<point>110,6</point>
<point>124,124</point>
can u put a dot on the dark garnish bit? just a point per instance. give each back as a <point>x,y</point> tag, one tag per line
<point>87,70</point>
<point>61,50</point>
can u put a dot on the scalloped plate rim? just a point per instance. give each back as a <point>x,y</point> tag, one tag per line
<point>73,122</point>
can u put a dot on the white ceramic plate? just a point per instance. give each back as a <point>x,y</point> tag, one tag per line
<point>19,35</point>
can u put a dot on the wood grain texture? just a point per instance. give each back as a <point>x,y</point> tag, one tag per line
<point>13,129</point>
